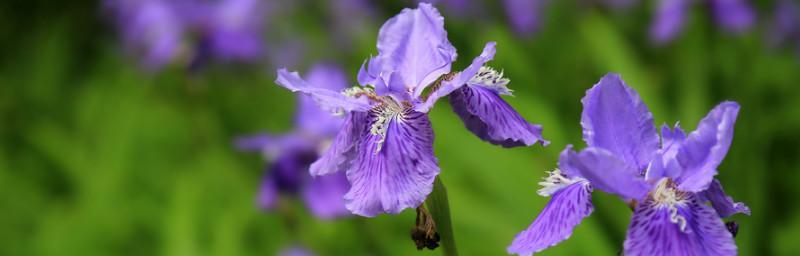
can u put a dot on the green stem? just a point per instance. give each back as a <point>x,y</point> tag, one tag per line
<point>440,211</point>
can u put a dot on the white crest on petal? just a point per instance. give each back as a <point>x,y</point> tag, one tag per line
<point>492,79</point>
<point>554,182</point>
<point>665,195</point>
<point>386,112</point>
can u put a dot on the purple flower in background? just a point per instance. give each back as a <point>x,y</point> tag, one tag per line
<point>386,143</point>
<point>524,15</point>
<point>157,30</point>
<point>296,251</point>
<point>786,23</point>
<point>667,183</point>
<point>292,154</point>
<point>732,15</point>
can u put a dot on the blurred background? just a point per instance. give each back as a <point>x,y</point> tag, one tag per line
<point>117,118</point>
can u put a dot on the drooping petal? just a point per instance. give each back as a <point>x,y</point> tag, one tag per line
<point>722,203</point>
<point>689,228</point>
<point>704,148</point>
<point>394,169</point>
<point>460,79</point>
<point>615,118</point>
<point>493,120</point>
<point>565,210</point>
<point>328,100</point>
<point>670,18</point>
<point>324,195</point>
<point>733,15</point>
<point>342,151</point>
<point>414,44</point>
<point>607,172</point>
<point>267,193</point>
<point>310,118</point>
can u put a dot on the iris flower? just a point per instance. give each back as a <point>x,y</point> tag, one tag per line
<point>668,184</point>
<point>291,154</point>
<point>732,15</point>
<point>386,144</point>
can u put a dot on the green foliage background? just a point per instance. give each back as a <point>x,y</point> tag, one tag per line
<point>98,157</point>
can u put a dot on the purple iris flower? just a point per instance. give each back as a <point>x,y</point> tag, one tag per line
<point>386,143</point>
<point>158,30</point>
<point>524,15</point>
<point>732,15</point>
<point>292,154</point>
<point>667,183</point>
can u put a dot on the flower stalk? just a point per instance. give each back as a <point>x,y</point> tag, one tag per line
<point>440,211</point>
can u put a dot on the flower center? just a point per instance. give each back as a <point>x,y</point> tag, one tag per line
<point>666,195</point>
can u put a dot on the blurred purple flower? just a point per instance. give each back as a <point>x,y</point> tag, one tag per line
<point>228,30</point>
<point>386,143</point>
<point>296,251</point>
<point>732,15</point>
<point>786,24</point>
<point>668,184</point>
<point>292,154</point>
<point>524,15</point>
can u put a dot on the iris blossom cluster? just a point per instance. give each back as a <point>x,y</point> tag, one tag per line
<point>291,154</point>
<point>677,203</point>
<point>386,143</point>
<point>159,30</point>
<point>670,18</point>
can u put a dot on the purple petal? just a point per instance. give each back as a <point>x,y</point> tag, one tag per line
<point>524,15</point>
<point>460,79</point>
<point>555,223</point>
<point>324,195</point>
<point>267,193</point>
<point>664,164</point>
<point>785,22</point>
<point>414,44</point>
<point>670,18</point>
<point>607,172</point>
<point>310,117</point>
<point>151,29</point>
<point>296,251</point>
<point>273,146</point>
<point>394,173</point>
<point>236,29</point>
<point>615,118</point>
<point>733,15</point>
<point>704,148</point>
<point>490,118</point>
<point>328,100</point>
<point>342,151</point>
<point>652,231</point>
<point>722,203</point>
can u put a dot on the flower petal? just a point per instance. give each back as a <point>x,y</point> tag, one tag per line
<point>396,172</point>
<point>664,164</point>
<point>733,15</point>
<point>653,231</point>
<point>615,118</point>
<point>704,148</point>
<point>328,100</point>
<point>554,224</point>
<point>607,172</point>
<point>493,120</point>
<point>670,18</point>
<point>460,79</point>
<point>524,15</point>
<point>324,195</point>
<point>723,203</point>
<point>414,44</point>
<point>267,193</point>
<point>342,151</point>
<point>310,118</point>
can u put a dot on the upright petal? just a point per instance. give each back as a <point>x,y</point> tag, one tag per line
<point>493,120</point>
<point>310,118</point>
<point>607,172</point>
<point>460,79</point>
<point>328,100</point>
<point>342,151</point>
<point>664,163</point>
<point>615,118</point>
<point>394,170</point>
<point>733,15</point>
<point>414,44</point>
<point>723,203</point>
<point>704,148</point>
<point>324,195</point>
<point>689,228</point>
<point>555,223</point>
<point>670,18</point>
